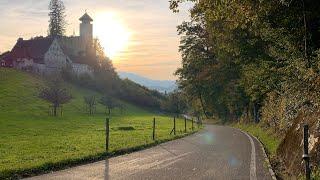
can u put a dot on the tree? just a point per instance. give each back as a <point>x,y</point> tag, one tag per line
<point>175,103</point>
<point>55,94</point>
<point>109,102</point>
<point>90,102</point>
<point>57,22</point>
<point>234,53</point>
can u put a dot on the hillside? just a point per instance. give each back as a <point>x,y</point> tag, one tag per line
<point>31,140</point>
<point>161,86</point>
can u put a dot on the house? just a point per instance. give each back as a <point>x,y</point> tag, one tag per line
<point>47,55</point>
<point>3,59</point>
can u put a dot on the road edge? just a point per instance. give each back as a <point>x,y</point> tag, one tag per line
<point>273,175</point>
<point>271,172</point>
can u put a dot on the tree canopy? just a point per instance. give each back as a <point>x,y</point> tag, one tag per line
<point>238,54</point>
<point>57,22</point>
<point>56,94</point>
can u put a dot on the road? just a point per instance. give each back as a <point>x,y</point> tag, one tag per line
<point>217,152</point>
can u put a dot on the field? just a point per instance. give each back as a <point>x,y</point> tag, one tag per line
<point>32,142</point>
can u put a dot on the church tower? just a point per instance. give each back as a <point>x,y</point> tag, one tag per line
<point>86,28</point>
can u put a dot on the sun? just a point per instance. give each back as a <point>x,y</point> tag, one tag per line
<point>113,34</point>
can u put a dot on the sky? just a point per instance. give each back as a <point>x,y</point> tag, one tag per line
<point>141,34</point>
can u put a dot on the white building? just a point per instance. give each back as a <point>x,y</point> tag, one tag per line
<point>45,55</point>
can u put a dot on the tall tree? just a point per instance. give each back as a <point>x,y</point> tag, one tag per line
<point>175,103</point>
<point>57,22</point>
<point>256,47</point>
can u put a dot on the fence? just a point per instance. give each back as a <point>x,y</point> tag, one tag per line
<point>154,129</point>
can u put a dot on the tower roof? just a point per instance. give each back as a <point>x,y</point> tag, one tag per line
<point>86,17</point>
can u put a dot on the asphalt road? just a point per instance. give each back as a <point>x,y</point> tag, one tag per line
<point>217,152</point>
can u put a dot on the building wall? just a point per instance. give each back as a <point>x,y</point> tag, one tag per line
<point>82,69</point>
<point>74,45</point>
<point>55,58</point>
<point>86,32</point>
<point>39,68</point>
<point>23,63</point>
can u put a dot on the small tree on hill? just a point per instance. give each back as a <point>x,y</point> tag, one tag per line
<point>90,102</point>
<point>55,94</point>
<point>57,22</point>
<point>109,102</point>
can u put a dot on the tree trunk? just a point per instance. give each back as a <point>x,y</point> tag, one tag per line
<point>305,34</point>
<point>256,112</point>
<point>246,115</point>
<point>55,110</point>
<point>202,105</point>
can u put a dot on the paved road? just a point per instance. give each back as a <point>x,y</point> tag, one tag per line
<point>216,152</point>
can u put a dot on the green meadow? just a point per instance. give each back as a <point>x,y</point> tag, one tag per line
<point>32,142</point>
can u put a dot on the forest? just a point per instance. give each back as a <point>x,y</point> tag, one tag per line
<point>254,61</point>
<point>251,59</point>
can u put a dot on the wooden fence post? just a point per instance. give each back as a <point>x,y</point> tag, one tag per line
<point>154,129</point>
<point>306,156</point>
<point>185,125</point>
<point>107,134</point>
<point>192,124</point>
<point>174,125</point>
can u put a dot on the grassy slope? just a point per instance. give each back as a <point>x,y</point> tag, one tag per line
<point>30,139</point>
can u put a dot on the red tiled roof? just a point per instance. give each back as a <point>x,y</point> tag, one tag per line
<point>32,49</point>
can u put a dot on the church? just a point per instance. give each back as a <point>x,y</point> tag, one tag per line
<point>47,55</point>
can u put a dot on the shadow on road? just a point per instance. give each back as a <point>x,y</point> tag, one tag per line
<point>106,170</point>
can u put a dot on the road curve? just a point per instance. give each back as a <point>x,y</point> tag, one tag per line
<point>217,152</point>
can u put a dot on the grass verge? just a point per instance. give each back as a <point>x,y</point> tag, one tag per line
<point>269,140</point>
<point>67,163</point>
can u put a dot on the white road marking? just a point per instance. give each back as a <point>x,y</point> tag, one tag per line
<point>272,174</point>
<point>253,169</point>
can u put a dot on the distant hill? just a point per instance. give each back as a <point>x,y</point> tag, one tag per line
<point>159,85</point>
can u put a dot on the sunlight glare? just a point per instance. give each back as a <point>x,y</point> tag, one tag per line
<point>112,33</point>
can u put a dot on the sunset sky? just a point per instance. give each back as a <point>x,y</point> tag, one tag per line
<point>140,35</point>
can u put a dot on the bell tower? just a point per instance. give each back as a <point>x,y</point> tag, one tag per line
<point>86,28</point>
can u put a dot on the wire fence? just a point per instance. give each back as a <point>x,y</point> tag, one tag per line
<point>179,127</point>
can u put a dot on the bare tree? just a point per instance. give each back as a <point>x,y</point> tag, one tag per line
<point>90,102</point>
<point>55,94</point>
<point>109,102</point>
<point>57,26</point>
